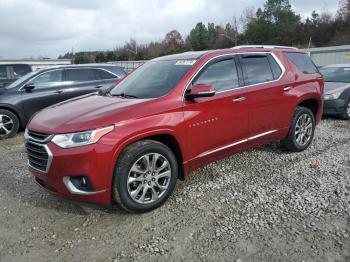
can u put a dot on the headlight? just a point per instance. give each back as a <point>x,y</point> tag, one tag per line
<point>81,138</point>
<point>333,96</point>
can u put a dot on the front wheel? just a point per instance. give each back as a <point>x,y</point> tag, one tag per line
<point>346,113</point>
<point>302,130</point>
<point>145,176</point>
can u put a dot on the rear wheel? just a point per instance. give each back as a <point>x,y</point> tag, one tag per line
<point>9,124</point>
<point>301,131</point>
<point>145,176</point>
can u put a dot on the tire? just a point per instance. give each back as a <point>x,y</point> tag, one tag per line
<point>9,124</point>
<point>346,113</point>
<point>295,141</point>
<point>138,187</point>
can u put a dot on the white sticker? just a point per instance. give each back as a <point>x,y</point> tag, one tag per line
<point>185,62</point>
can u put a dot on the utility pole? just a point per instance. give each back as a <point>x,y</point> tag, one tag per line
<point>310,41</point>
<point>73,60</point>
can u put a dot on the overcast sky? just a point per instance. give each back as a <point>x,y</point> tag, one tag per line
<point>32,28</point>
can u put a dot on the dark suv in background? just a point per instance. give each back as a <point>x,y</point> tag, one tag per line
<point>11,72</point>
<point>40,89</point>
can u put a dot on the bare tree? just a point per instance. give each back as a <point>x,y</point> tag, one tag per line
<point>248,15</point>
<point>344,10</point>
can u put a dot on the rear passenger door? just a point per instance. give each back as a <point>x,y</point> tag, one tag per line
<point>269,105</point>
<point>81,81</point>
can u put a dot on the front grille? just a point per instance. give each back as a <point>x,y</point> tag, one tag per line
<point>38,156</point>
<point>40,137</point>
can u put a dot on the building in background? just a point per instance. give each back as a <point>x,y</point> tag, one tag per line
<point>330,55</point>
<point>37,64</point>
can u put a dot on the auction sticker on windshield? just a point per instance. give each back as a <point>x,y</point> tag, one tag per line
<point>185,62</point>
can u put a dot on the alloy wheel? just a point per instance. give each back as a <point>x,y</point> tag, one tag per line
<point>348,109</point>
<point>149,178</point>
<point>6,125</point>
<point>303,129</point>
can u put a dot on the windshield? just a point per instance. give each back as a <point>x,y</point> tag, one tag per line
<point>21,80</point>
<point>336,74</point>
<point>153,79</point>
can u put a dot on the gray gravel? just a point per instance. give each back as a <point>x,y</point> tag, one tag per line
<point>260,205</point>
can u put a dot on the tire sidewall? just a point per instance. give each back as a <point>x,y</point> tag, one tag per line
<point>300,112</point>
<point>15,123</point>
<point>345,115</point>
<point>122,172</point>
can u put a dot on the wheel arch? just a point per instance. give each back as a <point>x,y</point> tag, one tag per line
<point>166,137</point>
<point>15,111</point>
<point>310,103</point>
<point>314,102</point>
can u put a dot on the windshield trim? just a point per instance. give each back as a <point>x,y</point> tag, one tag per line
<point>154,61</point>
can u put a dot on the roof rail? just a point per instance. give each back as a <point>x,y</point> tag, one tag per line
<point>264,46</point>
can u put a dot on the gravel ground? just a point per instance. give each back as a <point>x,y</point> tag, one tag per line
<point>259,205</point>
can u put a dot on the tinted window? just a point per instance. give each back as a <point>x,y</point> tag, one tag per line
<point>256,69</point>
<point>222,75</point>
<point>48,79</point>
<point>102,74</point>
<point>276,69</point>
<point>303,62</point>
<point>80,75</point>
<point>3,72</point>
<point>336,74</point>
<point>20,70</point>
<point>153,79</point>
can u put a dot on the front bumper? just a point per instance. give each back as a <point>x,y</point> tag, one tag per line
<point>334,107</point>
<point>95,162</point>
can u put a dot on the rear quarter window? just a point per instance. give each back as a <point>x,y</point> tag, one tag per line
<point>303,62</point>
<point>104,75</point>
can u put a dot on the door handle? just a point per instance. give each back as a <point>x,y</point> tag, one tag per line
<point>99,86</point>
<point>287,88</point>
<point>59,91</point>
<point>239,99</point>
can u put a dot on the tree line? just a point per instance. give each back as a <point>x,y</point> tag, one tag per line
<point>275,23</point>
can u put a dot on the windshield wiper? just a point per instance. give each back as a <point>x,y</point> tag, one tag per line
<point>123,95</point>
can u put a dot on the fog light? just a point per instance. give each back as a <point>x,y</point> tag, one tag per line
<point>82,183</point>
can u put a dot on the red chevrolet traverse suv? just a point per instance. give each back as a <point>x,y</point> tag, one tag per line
<point>172,115</point>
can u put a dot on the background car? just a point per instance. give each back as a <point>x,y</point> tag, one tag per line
<point>11,72</point>
<point>40,89</point>
<point>337,90</point>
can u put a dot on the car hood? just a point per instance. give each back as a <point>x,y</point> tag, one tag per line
<point>82,113</point>
<point>333,87</point>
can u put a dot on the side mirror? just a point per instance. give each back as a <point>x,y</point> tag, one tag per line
<point>29,87</point>
<point>201,90</point>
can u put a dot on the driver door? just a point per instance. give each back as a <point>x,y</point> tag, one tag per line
<point>215,124</point>
<point>48,89</point>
